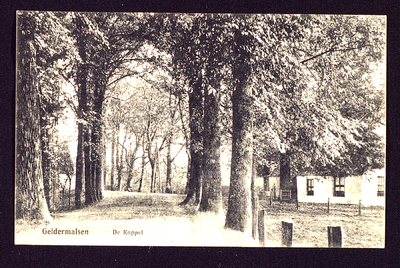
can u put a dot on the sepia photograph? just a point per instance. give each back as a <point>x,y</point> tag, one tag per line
<point>200,129</point>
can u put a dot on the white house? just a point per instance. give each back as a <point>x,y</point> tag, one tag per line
<point>369,188</point>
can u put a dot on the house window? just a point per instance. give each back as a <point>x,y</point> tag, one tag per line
<point>338,187</point>
<point>310,186</point>
<point>381,186</point>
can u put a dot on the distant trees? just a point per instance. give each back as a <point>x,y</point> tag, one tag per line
<point>145,114</point>
<point>104,42</point>
<point>65,166</point>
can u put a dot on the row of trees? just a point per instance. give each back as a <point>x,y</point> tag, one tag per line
<point>282,80</point>
<point>290,89</point>
<point>143,122</point>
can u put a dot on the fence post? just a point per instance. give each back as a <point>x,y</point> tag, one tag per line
<point>335,236</point>
<point>328,204</point>
<point>261,227</point>
<point>359,208</point>
<point>254,218</point>
<point>287,233</point>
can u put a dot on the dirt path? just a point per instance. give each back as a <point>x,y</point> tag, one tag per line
<point>135,219</point>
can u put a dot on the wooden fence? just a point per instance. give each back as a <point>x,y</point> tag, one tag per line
<point>334,232</point>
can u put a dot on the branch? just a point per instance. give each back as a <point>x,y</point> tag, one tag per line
<point>133,73</point>
<point>331,50</point>
<point>172,160</point>
<point>318,55</point>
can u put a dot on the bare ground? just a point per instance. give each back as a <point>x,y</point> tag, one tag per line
<point>139,219</point>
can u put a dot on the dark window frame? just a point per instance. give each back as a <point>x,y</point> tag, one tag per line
<point>310,187</point>
<point>339,186</point>
<point>381,186</point>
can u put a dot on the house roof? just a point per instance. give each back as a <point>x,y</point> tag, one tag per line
<point>276,173</point>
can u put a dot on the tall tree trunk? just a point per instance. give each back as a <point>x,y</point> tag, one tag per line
<point>55,184</point>
<point>81,79</point>
<point>69,191</point>
<point>187,146</point>
<point>104,166</point>
<point>131,165</point>
<point>211,194</point>
<point>30,199</point>
<point>196,142</point>
<point>153,176</point>
<point>83,92</point>
<point>168,187</point>
<point>46,159</point>
<point>121,166</point>
<point>129,172</point>
<point>117,160</point>
<point>79,168</point>
<point>239,205</point>
<point>112,162</point>
<point>143,166</point>
<point>253,177</point>
<point>97,135</point>
<point>96,162</point>
<point>89,195</point>
<point>152,160</point>
<point>284,172</point>
<point>158,173</point>
<point>83,110</point>
<point>254,209</point>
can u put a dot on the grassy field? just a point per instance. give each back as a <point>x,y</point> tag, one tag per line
<point>164,223</point>
<point>310,223</point>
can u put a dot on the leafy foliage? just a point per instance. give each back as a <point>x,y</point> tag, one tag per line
<point>319,73</point>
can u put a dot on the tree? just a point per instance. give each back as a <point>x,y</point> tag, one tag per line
<point>341,66</point>
<point>256,43</point>
<point>52,54</point>
<point>319,73</point>
<point>198,64</point>
<point>65,166</point>
<point>180,39</point>
<point>211,194</point>
<point>173,105</point>
<point>143,164</point>
<point>196,140</point>
<point>83,149</point>
<point>156,118</point>
<point>213,54</point>
<point>347,74</point>
<point>124,114</point>
<point>105,42</point>
<point>239,204</point>
<point>30,198</point>
<point>51,48</point>
<point>142,109</point>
